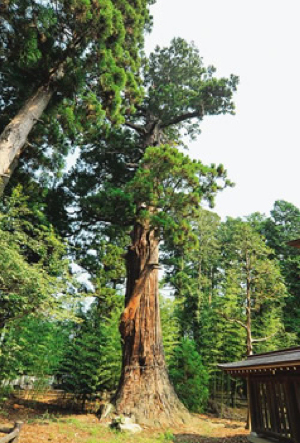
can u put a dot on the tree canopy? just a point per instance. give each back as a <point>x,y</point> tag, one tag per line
<point>81,56</point>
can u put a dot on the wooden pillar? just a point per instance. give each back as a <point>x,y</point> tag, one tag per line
<point>249,413</point>
<point>293,412</point>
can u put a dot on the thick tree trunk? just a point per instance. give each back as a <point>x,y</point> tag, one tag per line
<point>14,136</point>
<point>144,389</point>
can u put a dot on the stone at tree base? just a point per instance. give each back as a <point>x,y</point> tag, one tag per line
<point>125,424</point>
<point>133,428</point>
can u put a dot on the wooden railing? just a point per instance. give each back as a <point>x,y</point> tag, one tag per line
<point>12,434</point>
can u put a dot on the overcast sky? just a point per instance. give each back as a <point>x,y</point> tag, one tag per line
<point>258,40</point>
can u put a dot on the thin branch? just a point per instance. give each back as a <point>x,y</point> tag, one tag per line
<point>234,320</point>
<point>183,117</point>
<point>132,165</point>
<point>256,340</point>
<point>138,128</point>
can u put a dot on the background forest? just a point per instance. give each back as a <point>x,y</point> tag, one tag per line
<point>105,155</point>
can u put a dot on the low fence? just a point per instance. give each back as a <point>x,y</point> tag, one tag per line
<point>231,399</point>
<point>12,434</point>
<point>228,395</point>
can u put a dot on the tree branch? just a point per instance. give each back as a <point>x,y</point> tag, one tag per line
<point>132,165</point>
<point>138,128</point>
<point>234,320</point>
<point>256,340</point>
<point>183,117</point>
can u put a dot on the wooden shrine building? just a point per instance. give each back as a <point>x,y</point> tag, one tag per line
<point>273,392</point>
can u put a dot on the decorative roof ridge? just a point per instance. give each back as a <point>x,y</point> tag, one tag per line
<point>278,352</point>
<point>282,358</point>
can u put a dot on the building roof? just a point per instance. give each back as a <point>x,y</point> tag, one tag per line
<point>282,359</point>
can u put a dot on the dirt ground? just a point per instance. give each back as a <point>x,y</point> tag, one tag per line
<point>45,424</point>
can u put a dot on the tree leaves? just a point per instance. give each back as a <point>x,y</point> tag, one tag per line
<point>32,272</point>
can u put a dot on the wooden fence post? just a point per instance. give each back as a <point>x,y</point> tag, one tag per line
<point>18,427</point>
<point>12,434</point>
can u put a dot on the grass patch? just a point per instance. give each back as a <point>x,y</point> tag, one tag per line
<point>111,436</point>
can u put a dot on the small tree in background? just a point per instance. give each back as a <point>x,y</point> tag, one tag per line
<point>189,376</point>
<point>253,292</point>
<point>33,346</point>
<point>92,359</point>
<point>282,226</point>
<point>34,278</point>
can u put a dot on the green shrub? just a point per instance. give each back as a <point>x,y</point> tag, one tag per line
<point>189,376</point>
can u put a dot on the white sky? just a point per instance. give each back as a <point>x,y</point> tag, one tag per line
<point>258,40</point>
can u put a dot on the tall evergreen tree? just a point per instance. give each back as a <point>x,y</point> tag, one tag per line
<point>281,227</point>
<point>153,189</point>
<point>192,272</point>
<point>253,291</point>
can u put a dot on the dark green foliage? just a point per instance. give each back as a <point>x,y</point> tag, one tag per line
<point>31,260</point>
<point>171,182</point>
<point>92,360</point>
<point>34,291</point>
<point>192,270</point>
<point>114,158</point>
<point>252,281</point>
<point>209,279</point>
<point>96,40</point>
<point>170,326</point>
<point>189,376</point>
<point>180,90</point>
<point>282,226</point>
<point>86,51</point>
<point>34,347</point>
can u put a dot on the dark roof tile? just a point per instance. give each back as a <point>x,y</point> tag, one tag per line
<point>284,357</point>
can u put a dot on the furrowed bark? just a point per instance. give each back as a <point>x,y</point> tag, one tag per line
<point>14,136</point>
<point>145,391</point>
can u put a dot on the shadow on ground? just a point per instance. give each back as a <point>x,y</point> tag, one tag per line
<point>26,409</point>
<point>225,424</point>
<point>197,438</point>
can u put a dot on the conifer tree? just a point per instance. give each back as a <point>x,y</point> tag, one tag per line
<point>92,357</point>
<point>192,272</point>
<point>130,180</point>
<point>281,227</point>
<point>83,54</point>
<point>253,291</point>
